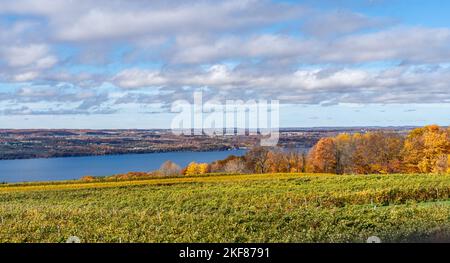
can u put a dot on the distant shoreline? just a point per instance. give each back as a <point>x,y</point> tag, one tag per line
<point>126,153</point>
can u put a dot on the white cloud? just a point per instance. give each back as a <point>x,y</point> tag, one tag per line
<point>26,62</point>
<point>341,22</point>
<point>412,45</point>
<point>27,76</point>
<point>21,56</point>
<point>211,31</point>
<point>285,51</point>
<point>346,85</point>
<point>85,20</point>
<point>134,78</point>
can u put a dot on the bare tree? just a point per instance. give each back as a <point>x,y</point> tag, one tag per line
<point>169,168</point>
<point>235,166</point>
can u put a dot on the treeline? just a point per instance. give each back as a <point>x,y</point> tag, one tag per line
<point>423,150</point>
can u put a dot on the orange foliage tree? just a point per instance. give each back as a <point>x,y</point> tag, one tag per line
<point>322,157</point>
<point>377,152</point>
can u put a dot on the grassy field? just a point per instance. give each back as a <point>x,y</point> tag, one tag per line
<point>231,208</point>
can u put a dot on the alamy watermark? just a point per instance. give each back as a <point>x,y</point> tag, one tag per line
<point>228,117</point>
<point>73,239</point>
<point>373,239</point>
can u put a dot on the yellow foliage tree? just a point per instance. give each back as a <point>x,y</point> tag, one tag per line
<point>448,163</point>
<point>203,168</point>
<point>192,169</point>
<point>425,149</point>
<point>197,168</point>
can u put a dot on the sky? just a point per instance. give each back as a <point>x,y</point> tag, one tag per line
<point>123,63</point>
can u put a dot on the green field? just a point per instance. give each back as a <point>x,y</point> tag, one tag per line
<point>231,208</point>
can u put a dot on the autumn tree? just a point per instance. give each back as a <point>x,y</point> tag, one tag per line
<point>387,152</point>
<point>295,161</point>
<point>413,150</point>
<point>425,149</point>
<point>442,164</point>
<point>196,169</point>
<point>360,160</point>
<point>344,149</point>
<point>219,166</point>
<point>377,152</point>
<point>278,161</point>
<point>192,169</point>
<point>257,159</point>
<point>203,168</point>
<point>322,157</point>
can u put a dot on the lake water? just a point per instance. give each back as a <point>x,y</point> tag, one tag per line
<point>68,168</point>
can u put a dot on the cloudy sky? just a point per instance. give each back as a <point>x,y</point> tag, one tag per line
<point>122,63</point>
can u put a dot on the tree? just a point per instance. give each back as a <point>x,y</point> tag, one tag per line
<point>295,161</point>
<point>384,152</point>
<point>235,166</point>
<point>196,169</point>
<point>278,162</point>
<point>169,168</point>
<point>442,164</point>
<point>413,150</point>
<point>360,160</point>
<point>257,159</point>
<point>203,168</point>
<point>304,158</point>
<point>192,169</point>
<point>219,166</point>
<point>344,151</point>
<point>376,152</point>
<point>448,163</point>
<point>425,148</point>
<point>322,157</point>
<point>88,178</point>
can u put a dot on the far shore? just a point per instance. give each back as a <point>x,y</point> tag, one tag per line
<point>124,153</point>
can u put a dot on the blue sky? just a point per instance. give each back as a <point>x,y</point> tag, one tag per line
<point>121,64</point>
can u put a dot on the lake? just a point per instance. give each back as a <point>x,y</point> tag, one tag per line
<point>68,168</point>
